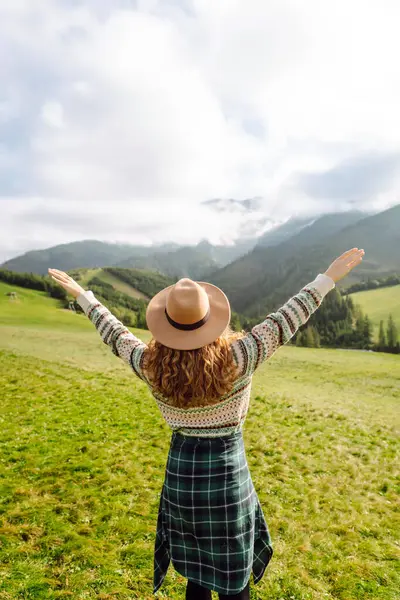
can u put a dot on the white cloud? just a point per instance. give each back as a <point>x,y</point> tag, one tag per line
<point>52,114</point>
<point>127,118</point>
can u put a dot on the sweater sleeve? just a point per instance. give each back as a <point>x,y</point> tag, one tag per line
<point>113,333</point>
<point>280,326</point>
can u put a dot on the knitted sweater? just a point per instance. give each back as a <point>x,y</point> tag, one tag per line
<point>228,415</point>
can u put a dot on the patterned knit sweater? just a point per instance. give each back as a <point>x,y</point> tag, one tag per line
<point>228,415</point>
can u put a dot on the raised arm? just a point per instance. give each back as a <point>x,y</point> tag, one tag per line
<point>280,326</point>
<point>113,333</point>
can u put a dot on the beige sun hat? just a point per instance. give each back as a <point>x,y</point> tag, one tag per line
<point>188,315</point>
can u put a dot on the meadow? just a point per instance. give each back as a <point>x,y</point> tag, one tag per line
<point>83,451</point>
<point>379,304</point>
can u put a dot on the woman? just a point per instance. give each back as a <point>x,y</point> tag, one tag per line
<point>210,522</point>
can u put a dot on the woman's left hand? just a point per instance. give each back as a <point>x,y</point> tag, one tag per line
<point>66,282</point>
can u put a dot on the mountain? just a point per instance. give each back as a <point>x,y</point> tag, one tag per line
<point>196,262</point>
<point>170,259</point>
<point>256,273</point>
<point>309,230</point>
<point>85,253</point>
<point>175,260</point>
<point>282,232</point>
<point>261,280</point>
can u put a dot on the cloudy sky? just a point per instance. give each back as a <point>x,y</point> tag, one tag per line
<point>121,119</point>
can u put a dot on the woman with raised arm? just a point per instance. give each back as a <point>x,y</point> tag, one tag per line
<point>210,522</point>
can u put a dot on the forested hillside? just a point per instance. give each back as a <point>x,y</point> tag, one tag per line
<point>139,283</point>
<point>259,281</point>
<point>339,322</point>
<point>127,307</point>
<point>311,230</point>
<point>74,255</point>
<point>196,262</point>
<point>33,282</point>
<point>170,259</point>
<point>379,304</point>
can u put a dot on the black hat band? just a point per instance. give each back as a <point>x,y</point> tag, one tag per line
<point>190,326</point>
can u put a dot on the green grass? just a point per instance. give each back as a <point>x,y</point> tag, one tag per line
<point>34,309</point>
<point>378,304</point>
<point>83,453</point>
<point>121,286</point>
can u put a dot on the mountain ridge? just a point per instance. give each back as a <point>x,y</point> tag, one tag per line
<point>263,278</point>
<point>256,273</point>
<point>168,258</point>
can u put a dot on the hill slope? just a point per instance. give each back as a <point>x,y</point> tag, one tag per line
<point>85,275</point>
<point>135,283</point>
<point>378,304</point>
<point>34,308</point>
<point>170,259</point>
<point>124,291</point>
<point>196,262</point>
<point>309,231</point>
<point>265,277</point>
<point>74,255</point>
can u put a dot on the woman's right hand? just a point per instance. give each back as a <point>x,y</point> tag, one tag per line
<point>344,264</point>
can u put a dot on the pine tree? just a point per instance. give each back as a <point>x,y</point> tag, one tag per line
<point>359,331</point>
<point>392,334</point>
<point>129,319</point>
<point>301,340</point>
<point>141,318</point>
<point>235,322</point>
<point>382,338</point>
<point>317,339</point>
<point>367,333</point>
<point>309,338</point>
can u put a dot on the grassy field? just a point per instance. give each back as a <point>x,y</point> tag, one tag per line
<point>118,284</point>
<point>378,304</point>
<point>83,453</point>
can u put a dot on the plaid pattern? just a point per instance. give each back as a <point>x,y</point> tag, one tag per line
<point>210,522</point>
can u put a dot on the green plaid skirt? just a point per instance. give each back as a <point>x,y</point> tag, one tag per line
<point>210,521</point>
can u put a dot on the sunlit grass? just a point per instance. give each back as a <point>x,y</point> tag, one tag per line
<point>83,452</point>
<point>379,304</point>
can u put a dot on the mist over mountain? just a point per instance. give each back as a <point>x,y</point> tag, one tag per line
<point>232,204</point>
<point>85,253</point>
<point>256,272</point>
<point>260,280</point>
<point>170,259</point>
<point>309,230</point>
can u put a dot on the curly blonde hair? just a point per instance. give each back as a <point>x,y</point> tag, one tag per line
<point>187,378</point>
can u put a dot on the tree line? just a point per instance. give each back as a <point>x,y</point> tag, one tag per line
<point>130,311</point>
<point>388,340</point>
<point>372,284</point>
<point>34,282</point>
<point>147,282</point>
<point>338,323</point>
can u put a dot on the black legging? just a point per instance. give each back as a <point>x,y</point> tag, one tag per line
<point>196,592</point>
